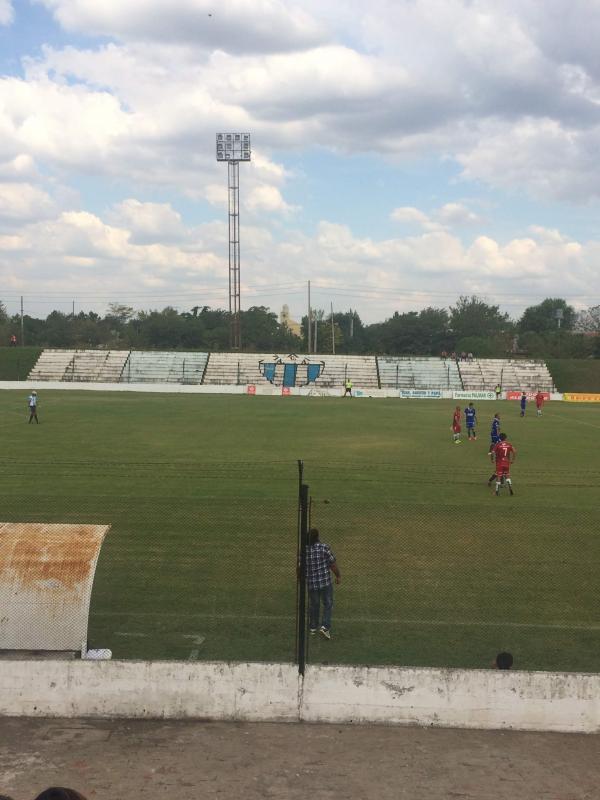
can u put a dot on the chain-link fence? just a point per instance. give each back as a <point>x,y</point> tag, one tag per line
<point>453,586</point>
<point>210,572</point>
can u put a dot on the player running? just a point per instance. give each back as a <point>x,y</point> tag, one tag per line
<point>539,402</point>
<point>456,425</point>
<point>504,455</point>
<point>471,420</point>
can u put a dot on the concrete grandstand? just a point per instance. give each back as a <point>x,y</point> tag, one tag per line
<point>326,371</point>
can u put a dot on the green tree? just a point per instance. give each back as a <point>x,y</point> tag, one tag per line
<point>543,318</point>
<point>471,316</point>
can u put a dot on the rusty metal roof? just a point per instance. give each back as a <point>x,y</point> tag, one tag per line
<point>46,577</point>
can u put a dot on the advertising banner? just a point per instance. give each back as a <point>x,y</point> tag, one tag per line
<point>474,395</point>
<point>420,394</point>
<point>529,395</point>
<point>580,397</point>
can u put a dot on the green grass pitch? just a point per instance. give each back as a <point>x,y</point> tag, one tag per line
<point>201,494</point>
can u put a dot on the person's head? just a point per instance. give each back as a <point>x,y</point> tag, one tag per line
<point>523,394</point>
<point>496,416</point>
<point>34,392</point>
<point>502,437</point>
<point>504,660</point>
<point>313,536</point>
<point>457,408</point>
<point>470,405</point>
<point>59,793</point>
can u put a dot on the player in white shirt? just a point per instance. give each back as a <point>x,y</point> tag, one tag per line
<point>32,403</point>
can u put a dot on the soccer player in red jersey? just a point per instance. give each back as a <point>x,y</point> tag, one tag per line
<point>539,402</point>
<point>503,454</point>
<point>456,419</point>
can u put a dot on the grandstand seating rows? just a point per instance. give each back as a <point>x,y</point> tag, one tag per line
<point>510,374</point>
<point>328,371</point>
<point>418,373</point>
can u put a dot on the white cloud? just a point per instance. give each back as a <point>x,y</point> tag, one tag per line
<point>450,215</point>
<point>234,26</point>
<point>7,13</point>
<point>149,222</point>
<point>267,198</point>
<point>85,255</point>
<point>491,85</point>
<point>457,215</point>
<point>23,201</point>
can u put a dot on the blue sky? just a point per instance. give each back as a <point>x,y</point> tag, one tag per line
<point>403,153</point>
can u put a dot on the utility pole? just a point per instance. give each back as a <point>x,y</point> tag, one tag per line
<point>352,324</point>
<point>316,335</point>
<point>22,325</point>
<point>332,332</point>
<point>308,321</point>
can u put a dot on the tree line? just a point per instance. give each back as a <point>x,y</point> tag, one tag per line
<point>551,329</point>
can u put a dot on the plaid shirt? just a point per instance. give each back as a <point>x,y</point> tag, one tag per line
<point>318,560</point>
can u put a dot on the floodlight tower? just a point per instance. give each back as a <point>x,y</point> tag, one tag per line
<point>233,148</point>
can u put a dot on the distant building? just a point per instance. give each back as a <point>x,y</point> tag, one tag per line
<point>291,324</point>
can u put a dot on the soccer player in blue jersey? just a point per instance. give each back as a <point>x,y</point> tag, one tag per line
<point>523,403</point>
<point>471,420</point>
<point>495,438</point>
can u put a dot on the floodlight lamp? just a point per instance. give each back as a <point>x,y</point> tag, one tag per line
<point>233,147</point>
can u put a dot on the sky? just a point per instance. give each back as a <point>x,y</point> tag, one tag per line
<point>404,153</point>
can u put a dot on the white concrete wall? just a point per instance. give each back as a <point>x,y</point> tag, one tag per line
<point>453,698</point>
<point>177,689</point>
<point>261,389</point>
<point>267,692</point>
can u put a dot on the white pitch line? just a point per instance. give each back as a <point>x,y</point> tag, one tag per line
<point>570,419</point>
<point>371,621</point>
<point>195,653</point>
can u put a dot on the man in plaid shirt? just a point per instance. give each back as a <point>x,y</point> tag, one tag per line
<point>320,563</point>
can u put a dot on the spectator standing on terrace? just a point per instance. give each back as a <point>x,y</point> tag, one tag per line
<point>32,402</point>
<point>523,403</point>
<point>347,387</point>
<point>320,563</point>
<point>498,391</point>
<point>471,420</point>
<point>539,402</point>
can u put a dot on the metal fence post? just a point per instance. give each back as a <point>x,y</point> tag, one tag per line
<point>301,592</point>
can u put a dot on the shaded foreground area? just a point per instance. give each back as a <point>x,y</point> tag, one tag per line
<point>188,760</point>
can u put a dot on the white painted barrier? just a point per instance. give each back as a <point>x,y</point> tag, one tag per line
<point>260,390</point>
<point>489,699</point>
<point>454,698</point>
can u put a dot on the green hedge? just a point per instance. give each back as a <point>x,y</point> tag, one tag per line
<point>572,375</point>
<point>17,362</point>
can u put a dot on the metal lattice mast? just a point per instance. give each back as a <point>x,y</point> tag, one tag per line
<point>233,148</point>
<point>233,169</point>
